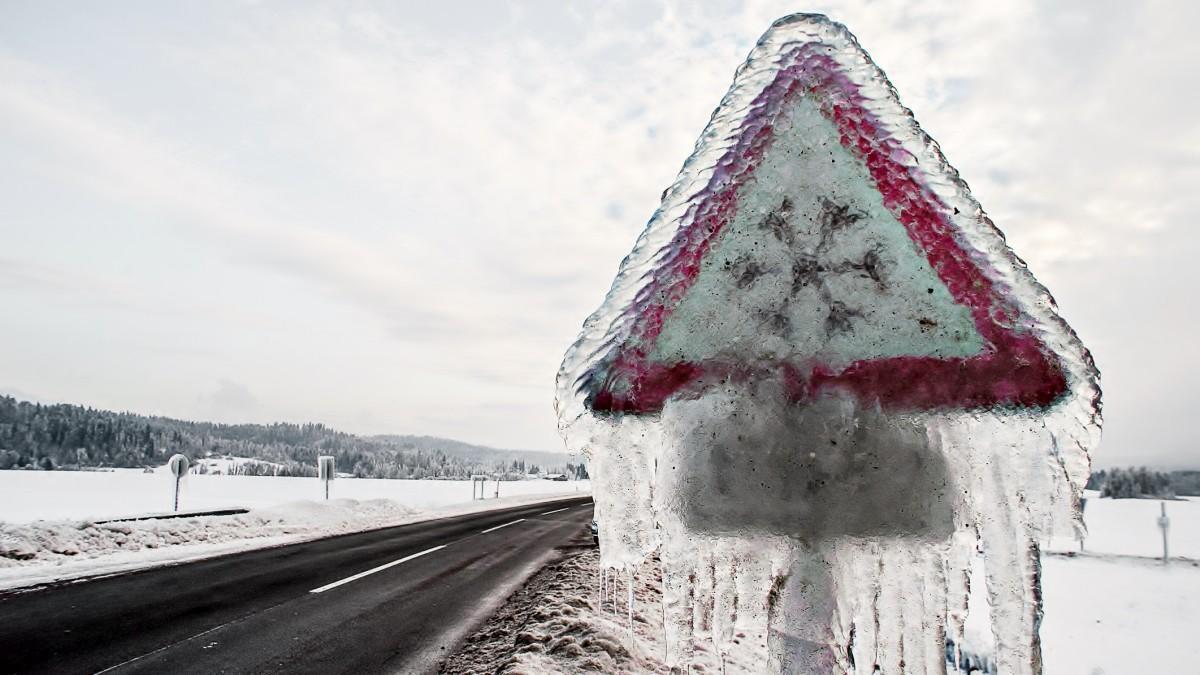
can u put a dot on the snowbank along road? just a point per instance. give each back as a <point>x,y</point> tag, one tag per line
<point>392,600</point>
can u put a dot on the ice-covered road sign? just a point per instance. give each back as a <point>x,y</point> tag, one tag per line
<point>822,252</point>
<point>178,464</point>
<point>821,383</point>
<point>326,471</point>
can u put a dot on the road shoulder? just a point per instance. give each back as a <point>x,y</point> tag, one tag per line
<point>558,622</point>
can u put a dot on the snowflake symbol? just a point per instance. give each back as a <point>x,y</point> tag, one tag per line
<point>834,216</point>
<point>775,321</point>
<point>744,271</point>
<point>839,317</point>
<point>777,222</point>
<point>806,271</point>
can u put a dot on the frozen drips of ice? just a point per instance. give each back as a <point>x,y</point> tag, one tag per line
<point>822,389</point>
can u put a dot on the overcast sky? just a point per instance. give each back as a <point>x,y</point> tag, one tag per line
<point>394,218</point>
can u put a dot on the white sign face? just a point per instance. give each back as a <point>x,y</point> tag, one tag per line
<point>814,267</point>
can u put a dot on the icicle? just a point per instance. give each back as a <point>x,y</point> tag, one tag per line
<point>631,579</point>
<point>678,617</point>
<point>603,582</point>
<point>616,596</point>
<point>614,591</point>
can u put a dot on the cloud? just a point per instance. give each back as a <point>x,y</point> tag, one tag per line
<point>126,164</point>
<point>22,275</point>
<point>463,188</point>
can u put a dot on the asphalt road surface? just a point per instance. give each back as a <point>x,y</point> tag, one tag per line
<point>394,600</point>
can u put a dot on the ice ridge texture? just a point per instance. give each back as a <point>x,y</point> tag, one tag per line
<point>822,387</point>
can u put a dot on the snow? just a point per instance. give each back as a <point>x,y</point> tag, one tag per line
<point>1114,608</point>
<point>223,465</point>
<point>559,623</point>
<point>1130,527</point>
<point>1112,616</point>
<point>1105,614</point>
<point>48,542</point>
<point>34,550</point>
<point>96,495</point>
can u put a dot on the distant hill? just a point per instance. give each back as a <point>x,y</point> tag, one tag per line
<point>480,453</point>
<point>62,436</point>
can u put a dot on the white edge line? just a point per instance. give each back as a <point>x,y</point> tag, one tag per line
<point>373,570</point>
<point>493,529</point>
<point>556,510</point>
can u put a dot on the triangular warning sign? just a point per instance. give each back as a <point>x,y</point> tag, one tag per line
<point>818,237</point>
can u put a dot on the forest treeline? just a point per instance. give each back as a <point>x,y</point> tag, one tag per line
<point>63,436</point>
<point>1140,482</point>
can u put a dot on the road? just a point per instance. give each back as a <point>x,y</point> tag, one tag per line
<point>394,600</point>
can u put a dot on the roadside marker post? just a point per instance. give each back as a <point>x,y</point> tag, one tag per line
<point>179,468</point>
<point>326,470</point>
<point>1081,532</point>
<point>1164,524</point>
<point>481,481</point>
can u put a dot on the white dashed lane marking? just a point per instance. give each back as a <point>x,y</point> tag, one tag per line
<point>373,570</point>
<point>493,529</point>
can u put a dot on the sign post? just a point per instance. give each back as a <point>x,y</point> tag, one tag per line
<point>1164,524</point>
<point>326,471</point>
<point>1081,532</point>
<point>179,468</point>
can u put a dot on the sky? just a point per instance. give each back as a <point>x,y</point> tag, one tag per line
<point>394,217</point>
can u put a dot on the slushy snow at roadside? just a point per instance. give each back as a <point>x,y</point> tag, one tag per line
<point>97,495</point>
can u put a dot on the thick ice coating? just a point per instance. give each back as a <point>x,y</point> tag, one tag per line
<point>822,385</point>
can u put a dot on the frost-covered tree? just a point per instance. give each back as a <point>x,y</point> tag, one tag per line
<point>70,437</point>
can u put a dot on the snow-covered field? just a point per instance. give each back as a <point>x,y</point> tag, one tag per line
<point>48,530</point>
<point>1129,527</point>
<point>1120,616</point>
<point>78,495</point>
<point>1114,609</point>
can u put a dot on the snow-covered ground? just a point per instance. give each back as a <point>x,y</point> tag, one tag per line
<point>1129,527</point>
<point>559,622</point>
<point>1104,616</point>
<point>1113,610</point>
<point>1120,616</point>
<point>48,530</point>
<point>82,495</point>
